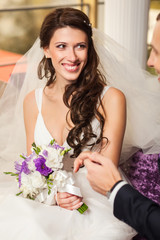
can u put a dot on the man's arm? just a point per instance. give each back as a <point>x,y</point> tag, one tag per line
<point>139,212</point>
<point>128,204</point>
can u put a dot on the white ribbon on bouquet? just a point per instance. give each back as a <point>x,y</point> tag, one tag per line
<point>63,182</point>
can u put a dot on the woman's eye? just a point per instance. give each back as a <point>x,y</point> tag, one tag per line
<point>81,46</point>
<point>61,46</point>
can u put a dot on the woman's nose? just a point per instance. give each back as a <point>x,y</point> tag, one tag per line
<point>151,60</point>
<point>72,56</point>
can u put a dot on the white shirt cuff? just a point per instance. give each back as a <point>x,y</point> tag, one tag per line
<point>115,190</point>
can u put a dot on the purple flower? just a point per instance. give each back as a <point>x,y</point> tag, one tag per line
<point>21,168</point>
<point>18,167</point>
<point>41,166</point>
<point>29,158</point>
<point>56,146</point>
<point>45,153</point>
<point>25,168</point>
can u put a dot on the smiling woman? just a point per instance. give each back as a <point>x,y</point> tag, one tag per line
<point>68,50</point>
<point>67,106</point>
<point>74,105</point>
<point>70,57</point>
<point>78,110</point>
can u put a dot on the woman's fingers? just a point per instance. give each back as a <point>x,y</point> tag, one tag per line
<point>68,201</point>
<point>79,161</point>
<point>73,205</point>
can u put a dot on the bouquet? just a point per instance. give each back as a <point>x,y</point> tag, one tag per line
<point>40,174</point>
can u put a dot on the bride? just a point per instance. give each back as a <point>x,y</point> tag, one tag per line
<point>73,104</point>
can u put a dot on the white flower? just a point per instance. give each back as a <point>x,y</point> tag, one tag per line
<point>54,158</point>
<point>26,186</point>
<point>38,181</point>
<point>31,184</point>
<point>31,166</point>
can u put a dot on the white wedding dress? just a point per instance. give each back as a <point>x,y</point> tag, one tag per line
<point>24,219</point>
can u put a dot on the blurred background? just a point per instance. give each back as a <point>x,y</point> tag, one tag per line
<point>20,20</point>
<point>129,22</point>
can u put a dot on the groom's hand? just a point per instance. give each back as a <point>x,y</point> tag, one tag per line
<point>102,173</point>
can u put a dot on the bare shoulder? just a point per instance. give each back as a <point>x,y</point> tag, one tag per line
<point>30,97</point>
<point>114,96</point>
<point>114,102</point>
<point>29,102</point>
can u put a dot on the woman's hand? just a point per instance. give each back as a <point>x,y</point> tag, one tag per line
<point>79,161</point>
<point>68,201</point>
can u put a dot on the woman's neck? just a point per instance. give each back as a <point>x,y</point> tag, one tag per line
<point>56,89</point>
<point>59,85</point>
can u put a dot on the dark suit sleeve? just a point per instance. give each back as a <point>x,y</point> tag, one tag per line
<point>139,212</point>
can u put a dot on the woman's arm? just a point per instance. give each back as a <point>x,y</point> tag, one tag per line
<point>114,104</point>
<point>30,112</point>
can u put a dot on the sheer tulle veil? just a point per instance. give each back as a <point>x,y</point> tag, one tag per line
<point>142,92</point>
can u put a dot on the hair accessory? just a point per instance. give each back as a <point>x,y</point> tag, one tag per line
<point>89,24</point>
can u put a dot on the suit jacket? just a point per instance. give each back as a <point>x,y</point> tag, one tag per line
<point>138,211</point>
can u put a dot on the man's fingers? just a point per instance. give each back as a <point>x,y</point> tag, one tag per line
<point>88,163</point>
<point>92,156</point>
<point>97,158</point>
<point>92,167</point>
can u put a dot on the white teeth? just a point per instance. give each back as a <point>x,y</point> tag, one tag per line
<point>70,67</point>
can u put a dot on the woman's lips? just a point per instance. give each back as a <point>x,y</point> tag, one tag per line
<point>71,68</point>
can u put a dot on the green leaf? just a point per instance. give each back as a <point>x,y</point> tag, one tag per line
<point>65,151</point>
<point>52,141</point>
<point>34,145</point>
<point>49,191</point>
<point>11,173</point>
<point>22,156</point>
<point>37,150</point>
<point>18,193</point>
<point>31,198</point>
<point>50,178</point>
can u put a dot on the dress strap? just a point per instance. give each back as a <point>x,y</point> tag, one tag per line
<point>104,91</point>
<point>38,96</point>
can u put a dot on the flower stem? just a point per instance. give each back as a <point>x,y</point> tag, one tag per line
<point>82,208</point>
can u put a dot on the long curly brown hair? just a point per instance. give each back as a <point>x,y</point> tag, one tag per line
<point>86,90</point>
<point>158,17</point>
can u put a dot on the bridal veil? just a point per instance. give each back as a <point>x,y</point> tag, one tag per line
<point>142,93</point>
